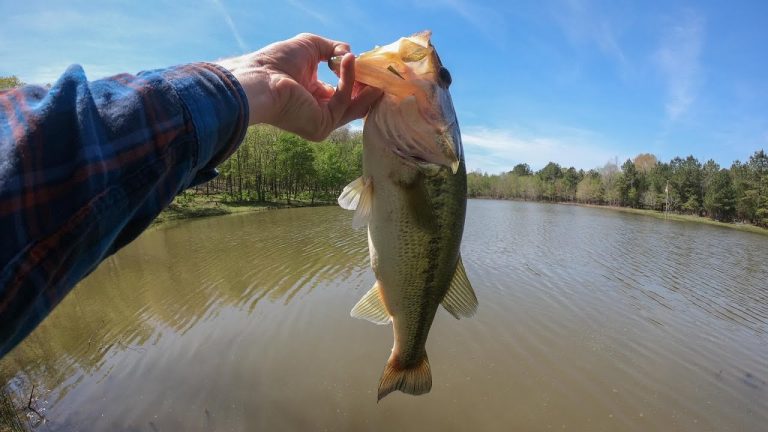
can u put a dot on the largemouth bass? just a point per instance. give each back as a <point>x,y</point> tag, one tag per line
<point>412,197</point>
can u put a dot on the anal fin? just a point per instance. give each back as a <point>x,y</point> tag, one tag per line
<point>460,300</point>
<point>371,307</point>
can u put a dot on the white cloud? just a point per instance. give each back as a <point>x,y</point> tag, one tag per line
<point>678,60</point>
<point>496,150</point>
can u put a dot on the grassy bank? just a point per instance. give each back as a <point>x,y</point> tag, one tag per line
<point>680,217</point>
<point>656,214</point>
<point>10,418</point>
<point>195,205</point>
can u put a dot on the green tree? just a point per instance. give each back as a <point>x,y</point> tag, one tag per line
<point>645,162</point>
<point>295,163</point>
<point>720,196</point>
<point>629,185</point>
<point>478,184</point>
<point>570,180</point>
<point>548,177</point>
<point>685,182</point>
<point>9,82</point>
<point>590,189</point>
<point>273,165</point>
<point>522,170</point>
<point>335,165</point>
<point>758,166</point>
<point>657,180</point>
<point>750,182</point>
<point>611,181</point>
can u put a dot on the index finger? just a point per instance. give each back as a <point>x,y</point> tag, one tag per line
<point>325,48</point>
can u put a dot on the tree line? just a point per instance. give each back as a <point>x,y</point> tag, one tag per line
<point>272,165</point>
<point>682,185</point>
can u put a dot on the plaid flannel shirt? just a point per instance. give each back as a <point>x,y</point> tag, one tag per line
<point>86,166</point>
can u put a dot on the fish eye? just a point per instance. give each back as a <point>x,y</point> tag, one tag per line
<point>445,76</point>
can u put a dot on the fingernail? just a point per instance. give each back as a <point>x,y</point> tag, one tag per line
<point>340,50</point>
<point>334,63</point>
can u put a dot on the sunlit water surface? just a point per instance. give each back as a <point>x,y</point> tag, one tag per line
<point>589,320</point>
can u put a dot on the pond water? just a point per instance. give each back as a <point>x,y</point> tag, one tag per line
<point>589,320</point>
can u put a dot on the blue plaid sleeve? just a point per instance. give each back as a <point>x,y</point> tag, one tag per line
<point>86,166</point>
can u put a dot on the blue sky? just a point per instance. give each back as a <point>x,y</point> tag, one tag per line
<point>578,82</point>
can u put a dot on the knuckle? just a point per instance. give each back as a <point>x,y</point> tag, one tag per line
<point>306,36</point>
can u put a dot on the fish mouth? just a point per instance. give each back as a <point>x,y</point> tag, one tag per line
<point>370,70</point>
<point>440,147</point>
<point>394,68</point>
<point>417,113</point>
<point>415,139</point>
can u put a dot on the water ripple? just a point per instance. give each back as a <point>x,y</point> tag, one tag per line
<point>588,320</point>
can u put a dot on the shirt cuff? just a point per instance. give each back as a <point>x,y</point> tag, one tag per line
<point>218,107</point>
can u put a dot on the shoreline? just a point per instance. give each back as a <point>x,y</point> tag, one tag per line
<point>680,218</point>
<point>657,214</point>
<point>200,206</point>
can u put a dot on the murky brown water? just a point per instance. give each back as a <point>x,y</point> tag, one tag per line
<point>588,320</point>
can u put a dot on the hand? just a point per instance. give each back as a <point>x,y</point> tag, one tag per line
<point>281,83</point>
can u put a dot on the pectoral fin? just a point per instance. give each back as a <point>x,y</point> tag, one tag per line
<point>358,196</point>
<point>460,300</point>
<point>371,307</point>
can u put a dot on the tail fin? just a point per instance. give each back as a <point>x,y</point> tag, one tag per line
<point>414,380</point>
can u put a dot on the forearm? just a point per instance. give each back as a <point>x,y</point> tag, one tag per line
<point>85,167</point>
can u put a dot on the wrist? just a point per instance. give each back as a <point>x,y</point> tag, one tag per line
<point>255,81</point>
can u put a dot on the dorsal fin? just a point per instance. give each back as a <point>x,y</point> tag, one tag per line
<point>371,307</point>
<point>460,300</point>
<point>358,196</point>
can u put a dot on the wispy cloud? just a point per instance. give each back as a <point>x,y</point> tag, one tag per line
<point>50,20</point>
<point>487,21</point>
<point>584,22</point>
<point>231,24</point>
<point>496,150</point>
<point>38,42</point>
<point>309,11</point>
<point>678,60</point>
<point>50,73</point>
